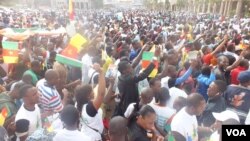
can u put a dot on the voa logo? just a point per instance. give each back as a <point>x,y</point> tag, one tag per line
<point>236,132</point>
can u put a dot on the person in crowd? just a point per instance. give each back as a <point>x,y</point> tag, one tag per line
<point>175,92</point>
<point>170,80</point>
<point>183,130</point>
<point>204,80</point>
<point>88,104</point>
<point>163,112</point>
<point>118,129</point>
<point>22,128</point>
<point>146,97</point>
<point>70,118</point>
<point>215,103</point>
<point>50,100</point>
<point>220,69</point>
<point>141,126</point>
<point>26,78</point>
<point>30,110</point>
<point>236,96</point>
<point>127,85</point>
<point>223,118</point>
<point>7,100</point>
<point>3,134</point>
<point>34,71</point>
<point>243,66</point>
<point>179,103</point>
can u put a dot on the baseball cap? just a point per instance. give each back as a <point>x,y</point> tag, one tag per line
<point>225,115</point>
<point>244,76</point>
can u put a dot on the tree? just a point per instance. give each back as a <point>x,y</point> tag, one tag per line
<point>8,2</point>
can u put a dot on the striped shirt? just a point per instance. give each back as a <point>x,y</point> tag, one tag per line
<point>50,100</point>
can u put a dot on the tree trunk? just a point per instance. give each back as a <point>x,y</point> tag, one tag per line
<point>225,8</point>
<point>209,7</point>
<point>199,7</point>
<point>203,6</point>
<point>221,7</point>
<point>239,8</point>
<point>229,7</point>
<point>215,8</point>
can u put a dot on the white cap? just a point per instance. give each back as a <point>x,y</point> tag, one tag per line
<point>225,115</point>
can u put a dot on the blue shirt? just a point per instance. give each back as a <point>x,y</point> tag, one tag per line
<point>133,54</point>
<point>203,84</point>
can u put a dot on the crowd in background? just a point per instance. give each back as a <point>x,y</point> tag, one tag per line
<point>202,79</point>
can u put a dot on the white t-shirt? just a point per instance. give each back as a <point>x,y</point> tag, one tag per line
<point>93,122</point>
<point>129,110</point>
<point>164,82</point>
<point>186,125</point>
<point>247,121</point>
<point>34,117</point>
<point>67,135</point>
<point>215,136</point>
<point>163,114</point>
<point>175,93</point>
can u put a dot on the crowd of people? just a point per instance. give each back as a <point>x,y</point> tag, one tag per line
<point>202,79</point>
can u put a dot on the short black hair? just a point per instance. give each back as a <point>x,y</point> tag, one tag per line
<point>122,66</point>
<point>244,63</point>
<point>23,90</point>
<point>222,85</point>
<point>19,85</point>
<point>35,63</point>
<point>123,52</point>
<point>146,110</point>
<point>163,94</point>
<point>205,70</point>
<point>153,80</point>
<point>82,93</point>
<point>22,125</point>
<point>194,99</point>
<point>52,53</point>
<point>69,115</point>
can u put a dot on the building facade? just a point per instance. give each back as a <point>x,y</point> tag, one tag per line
<point>78,4</point>
<point>122,3</point>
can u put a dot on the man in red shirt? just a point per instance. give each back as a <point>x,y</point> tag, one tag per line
<point>209,55</point>
<point>244,65</point>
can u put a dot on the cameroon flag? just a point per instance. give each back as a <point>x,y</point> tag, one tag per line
<point>3,116</point>
<point>146,59</point>
<point>70,54</point>
<point>10,52</point>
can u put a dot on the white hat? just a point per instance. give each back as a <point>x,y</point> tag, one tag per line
<point>225,115</point>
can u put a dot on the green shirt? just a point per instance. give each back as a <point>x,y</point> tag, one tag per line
<point>33,75</point>
<point>8,103</point>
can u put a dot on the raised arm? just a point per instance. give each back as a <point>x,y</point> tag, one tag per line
<point>97,102</point>
<point>218,48</point>
<point>137,60</point>
<point>110,94</point>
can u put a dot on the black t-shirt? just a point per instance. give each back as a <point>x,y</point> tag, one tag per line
<point>90,109</point>
<point>136,133</point>
<point>237,98</point>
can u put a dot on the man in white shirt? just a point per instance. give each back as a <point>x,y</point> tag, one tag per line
<point>174,93</point>
<point>70,118</point>
<point>29,110</point>
<point>184,125</point>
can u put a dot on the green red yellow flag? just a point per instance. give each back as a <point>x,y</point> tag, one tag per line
<point>3,116</point>
<point>10,52</point>
<point>146,59</point>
